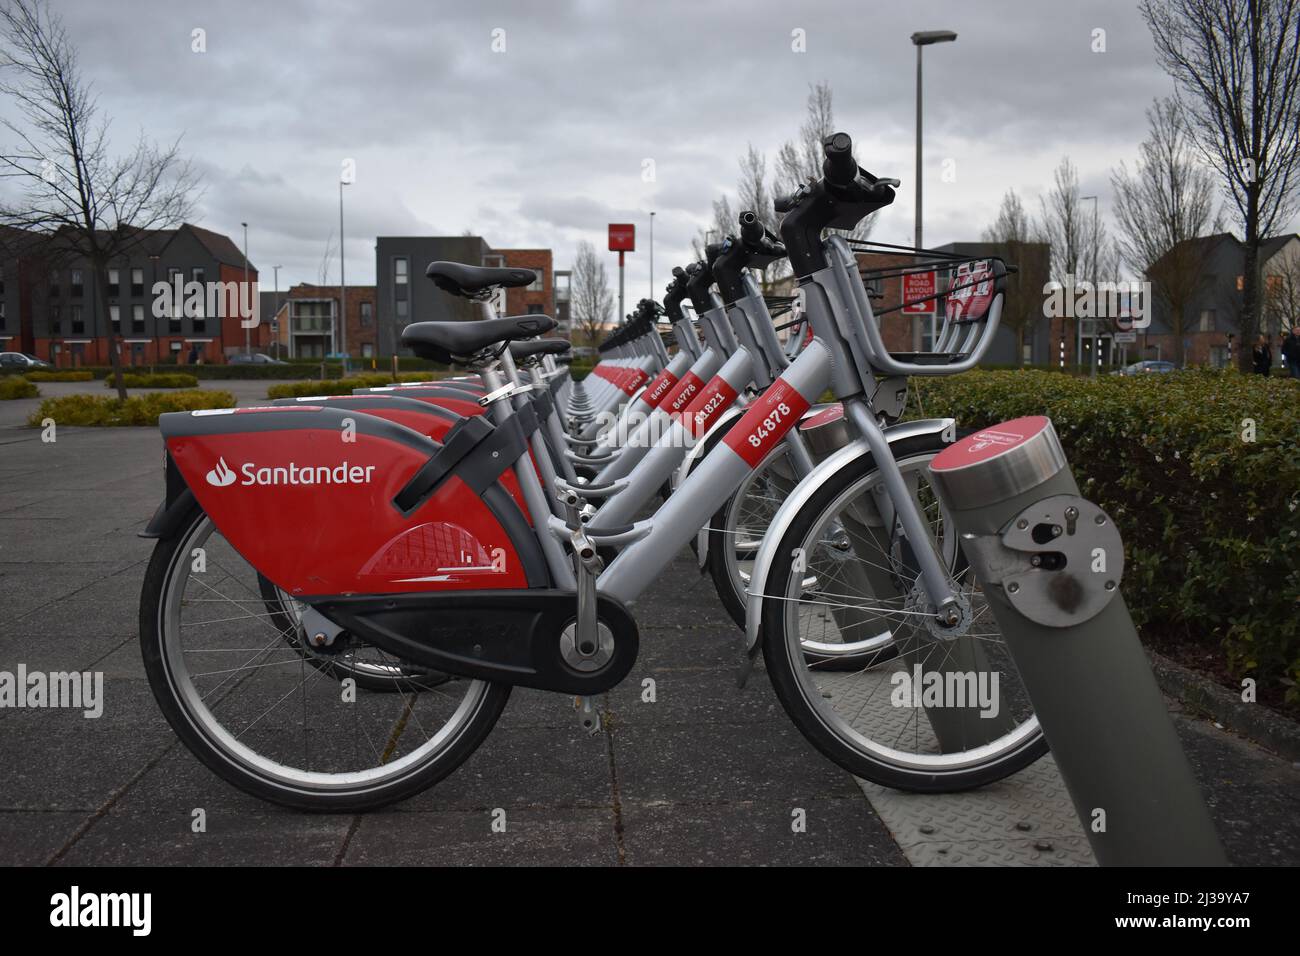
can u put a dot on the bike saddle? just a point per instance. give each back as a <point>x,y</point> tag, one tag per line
<point>522,351</point>
<point>473,282</point>
<point>444,341</point>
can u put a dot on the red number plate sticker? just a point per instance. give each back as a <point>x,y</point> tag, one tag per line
<point>687,389</point>
<point>775,412</point>
<point>708,405</point>
<point>657,390</point>
<point>635,377</point>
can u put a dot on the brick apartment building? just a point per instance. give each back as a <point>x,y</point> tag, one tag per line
<point>51,304</point>
<point>403,295</point>
<point>304,325</point>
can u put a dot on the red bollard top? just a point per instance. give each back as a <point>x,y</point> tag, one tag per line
<point>996,463</point>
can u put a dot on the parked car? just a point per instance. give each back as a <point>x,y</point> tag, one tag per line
<point>254,358</point>
<point>1147,365</point>
<point>21,362</point>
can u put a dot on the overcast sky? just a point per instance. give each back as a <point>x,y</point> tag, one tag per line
<point>543,144</point>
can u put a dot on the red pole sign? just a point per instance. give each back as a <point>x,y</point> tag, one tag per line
<point>622,237</point>
<point>917,285</point>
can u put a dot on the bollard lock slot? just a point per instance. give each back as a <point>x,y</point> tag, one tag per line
<point>1059,562</point>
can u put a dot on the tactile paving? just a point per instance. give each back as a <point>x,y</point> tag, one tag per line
<point>1025,820</point>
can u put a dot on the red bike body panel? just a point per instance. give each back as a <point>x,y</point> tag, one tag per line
<point>315,515</point>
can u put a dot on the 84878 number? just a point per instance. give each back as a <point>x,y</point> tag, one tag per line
<point>768,425</point>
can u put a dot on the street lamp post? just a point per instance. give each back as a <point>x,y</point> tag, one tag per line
<point>243,319</point>
<point>652,254</point>
<point>343,285</point>
<point>921,39</point>
<point>1094,278</point>
<point>275,304</point>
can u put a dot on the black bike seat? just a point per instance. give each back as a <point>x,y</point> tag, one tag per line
<point>442,341</point>
<point>457,278</point>
<point>522,351</point>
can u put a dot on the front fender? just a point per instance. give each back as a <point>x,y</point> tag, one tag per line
<point>800,497</point>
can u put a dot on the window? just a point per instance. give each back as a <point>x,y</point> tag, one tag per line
<point>367,350</point>
<point>54,283</point>
<point>1219,356</point>
<point>115,318</point>
<point>56,321</point>
<point>539,280</point>
<point>77,284</point>
<point>534,310</point>
<point>200,306</point>
<point>78,323</point>
<point>1207,321</point>
<point>401,268</point>
<point>114,280</point>
<point>137,319</point>
<point>178,305</point>
<point>137,282</point>
<point>2,315</point>
<point>1241,283</point>
<point>367,313</point>
<point>402,308</point>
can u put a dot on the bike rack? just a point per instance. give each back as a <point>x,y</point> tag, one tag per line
<point>1050,564</point>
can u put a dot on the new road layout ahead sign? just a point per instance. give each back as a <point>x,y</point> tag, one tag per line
<point>917,285</point>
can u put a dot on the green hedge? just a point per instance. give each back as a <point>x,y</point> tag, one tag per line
<point>80,375</point>
<point>343,386</point>
<point>1210,519</point>
<point>294,370</point>
<point>581,368</point>
<point>156,380</point>
<point>17,387</point>
<point>136,410</point>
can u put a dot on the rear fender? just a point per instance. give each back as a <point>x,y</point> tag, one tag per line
<point>317,514</point>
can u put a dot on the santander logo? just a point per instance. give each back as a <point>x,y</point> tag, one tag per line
<point>221,475</point>
<point>344,473</point>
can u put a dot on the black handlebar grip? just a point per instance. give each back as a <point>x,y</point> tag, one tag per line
<point>840,168</point>
<point>751,230</point>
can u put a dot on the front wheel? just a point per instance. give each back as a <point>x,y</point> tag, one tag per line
<point>934,710</point>
<point>236,686</point>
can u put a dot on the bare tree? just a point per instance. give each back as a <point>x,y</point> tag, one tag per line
<point>800,160</point>
<point>326,259</point>
<point>1066,225</point>
<point>1163,207</point>
<point>1015,231</point>
<point>88,202</point>
<point>1236,64</point>
<point>591,301</point>
<point>752,191</point>
<point>724,223</point>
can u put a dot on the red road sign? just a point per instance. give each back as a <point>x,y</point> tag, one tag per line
<point>915,286</point>
<point>622,237</point>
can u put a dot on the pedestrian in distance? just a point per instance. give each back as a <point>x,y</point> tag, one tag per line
<point>1291,352</point>
<point>1261,356</point>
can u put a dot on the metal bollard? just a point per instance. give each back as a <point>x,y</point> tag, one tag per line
<point>1050,563</point>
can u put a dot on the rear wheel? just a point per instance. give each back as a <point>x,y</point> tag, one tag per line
<point>238,689</point>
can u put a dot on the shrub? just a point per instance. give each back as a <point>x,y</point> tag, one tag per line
<point>76,375</point>
<point>342,386</point>
<point>160,380</point>
<point>1210,518</point>
<point>136,410</point>
<point>15,386</point>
